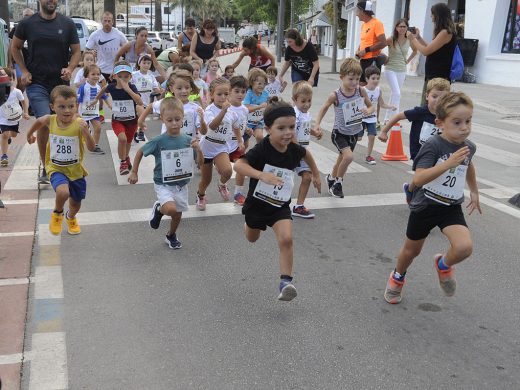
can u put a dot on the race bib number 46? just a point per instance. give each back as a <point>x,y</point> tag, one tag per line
<point>176,165</point>
<point>448,188</point>
<point>64,151</point>
<point>221,134</point>
<point>275,195</point>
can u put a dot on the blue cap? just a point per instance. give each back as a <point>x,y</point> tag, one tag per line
<point>122,68</point>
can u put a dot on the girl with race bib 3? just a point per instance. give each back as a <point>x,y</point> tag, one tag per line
<point>269,165</point>
<point>442,167</point>
<point>222,125</point>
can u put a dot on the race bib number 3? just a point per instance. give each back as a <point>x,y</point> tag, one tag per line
<point>12,111</point>
<point>275,195</point>
<point>64,151</point>
<point>428,130</point>
<point>176,165</point>
<point>352,111</point>
<point>448,188</point>
<point>123,110</point>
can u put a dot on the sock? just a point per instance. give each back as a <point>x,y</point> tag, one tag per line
<point>58,212</point>
<point>97,145</point>
<point>67,215</point>
<point>239,190</point>
<point>339,180</point>
<point>286,277</point>
<point>442,265</point>
<point>397,276</point>
<point>298,205</point>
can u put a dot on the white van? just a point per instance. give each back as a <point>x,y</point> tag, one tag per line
<point>85,27</point>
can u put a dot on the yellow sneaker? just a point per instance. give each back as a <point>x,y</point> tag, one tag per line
<point>55,224</point>
<point>73,226</point>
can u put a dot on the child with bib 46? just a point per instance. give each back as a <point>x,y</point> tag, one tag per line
<point>269,165</point>
<point>173,169</point>
<point>442,166</point>
<point>67,134</point>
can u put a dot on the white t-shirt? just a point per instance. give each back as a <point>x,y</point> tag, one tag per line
<point>12,107</point>
<point>145,84</point>
<point>373,95</point>
<point>191,123</point>
<point>107,45</point>
<point>216,141</point>
<point>303,127</point>
<point>274,88</point>
<point>79,78</point>
<point>242,113</point>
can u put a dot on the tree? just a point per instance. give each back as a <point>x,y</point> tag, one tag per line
<point>110,6</point>
<point>258,11</point>
<point>158,15</point>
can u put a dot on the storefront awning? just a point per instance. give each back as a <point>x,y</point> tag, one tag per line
<point>321,20</point>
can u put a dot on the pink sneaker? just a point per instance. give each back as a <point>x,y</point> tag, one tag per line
<point>223,191</point>
<point>201,202</point>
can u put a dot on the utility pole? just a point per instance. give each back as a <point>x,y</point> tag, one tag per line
<point>292,14</point>
<point>334,36</point>
<point>279,30</point>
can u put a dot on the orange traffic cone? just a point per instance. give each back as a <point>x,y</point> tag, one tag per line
<point>394,150</point>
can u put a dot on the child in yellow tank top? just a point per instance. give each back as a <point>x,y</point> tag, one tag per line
<point>67,134</point>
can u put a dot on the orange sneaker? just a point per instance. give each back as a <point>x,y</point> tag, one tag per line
<point>393,290</point>
<point>55,224</point>
<point>447,280</point>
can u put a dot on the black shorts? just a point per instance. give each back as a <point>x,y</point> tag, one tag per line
<point>342,141</point>
<point>420,223</point>
<point>261,221</point>
<point>365,64</point>
<point>13,128</point>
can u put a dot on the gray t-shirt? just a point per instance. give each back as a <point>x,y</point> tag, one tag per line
<point>107,44</point>
<point>448,188</point>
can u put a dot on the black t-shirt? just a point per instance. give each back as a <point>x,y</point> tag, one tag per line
<point>301,61</point>
<point>264,153</point>
<point>438,64</point>
<point>48,49</point>
<point>417,115</point>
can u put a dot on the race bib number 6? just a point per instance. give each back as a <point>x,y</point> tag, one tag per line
<point>176,165</point>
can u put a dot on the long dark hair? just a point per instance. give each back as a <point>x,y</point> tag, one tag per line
<point>442,19</point>
<point>395,34</point>
<point>208,23</point>
<point>292,33</point>
<point>251,44</point>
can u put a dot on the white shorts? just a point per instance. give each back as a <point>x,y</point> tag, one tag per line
<point>302,168</point>
<point>173,193</point>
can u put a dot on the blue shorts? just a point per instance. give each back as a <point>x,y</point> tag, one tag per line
<point>77,188</point>
<point>370,129</point>
<point>256,125</point>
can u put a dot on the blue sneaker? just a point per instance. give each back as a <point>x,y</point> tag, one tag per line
<point>407,193</point>
<point>172,242</point>
<point>287,290</point>
<point>155,216</point>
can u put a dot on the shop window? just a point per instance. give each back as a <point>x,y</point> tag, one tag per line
<point>512,33</point>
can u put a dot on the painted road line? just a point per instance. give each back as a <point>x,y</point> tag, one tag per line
<point>24,175</point>
<point>47,203</point>
<point>326,158</point>
<point>502,134</point>
<point>11,359</point>
<point>45,237</point>
<point>514,212</point>
<point>48,282</point>
<point>145,168</point>
<point>20,201</point>
<point>16,234</point>
<point>498,191</point>
<point>48,355</point>
<point>13,281</point>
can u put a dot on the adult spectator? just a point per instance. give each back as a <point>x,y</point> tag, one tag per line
<point>168,57</point>
<point>27,12</point>
<point>301,56</point>
<point>106,42</point>
<point>260,56</point>
<point>372,38</point>
<point>439,53</point>
<point>53,54</point>
<point>206,44</point>
<point>398,58</point>
<point>131,51</point>
<point>184,39</point>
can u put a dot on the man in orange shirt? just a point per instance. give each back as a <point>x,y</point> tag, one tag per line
<point>372,37</point>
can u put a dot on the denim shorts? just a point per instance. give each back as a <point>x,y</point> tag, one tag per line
<point>370,128</point>
<point>77,188</point>
<point>39,98</point>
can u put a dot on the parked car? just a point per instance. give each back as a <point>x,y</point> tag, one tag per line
<point>155,40</point>
<point>169,38</point>
<point>85,27</point>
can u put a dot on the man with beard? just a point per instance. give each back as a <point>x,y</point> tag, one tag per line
<point>51,39</point>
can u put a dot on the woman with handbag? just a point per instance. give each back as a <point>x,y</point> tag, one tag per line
<point>395,66</point>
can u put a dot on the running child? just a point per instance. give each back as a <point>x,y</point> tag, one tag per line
<point>256,101</point>
<point>423,122</point>
<point>88,105</point>
<point>201,84</point>
<point>89,58</point>
<point>212,73</point>
<point>302,99</point>
<point>173,169</point>
<point>350,104</point>
<point>441,167</point>
<point>144,80</point>
<point>14,108</point>
<point>370,122</point>
<point>238,90</point>
<point>274,86</point>
<point>229,72</point>
<point>126,105</point>
<point>67,135</point>
<point>222,124</point>
<point>270,165</point>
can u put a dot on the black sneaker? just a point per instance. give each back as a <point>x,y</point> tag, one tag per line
<point>330,181</point>
<point>336,190</point>
<point>136,138</point>
<point>140,136</point>
<point>43,179</point>
<point>98,150</point>
<point>155,216</point>
<point>172,242</point>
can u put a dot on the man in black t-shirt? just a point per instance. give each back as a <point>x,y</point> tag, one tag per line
<point>51,38</point>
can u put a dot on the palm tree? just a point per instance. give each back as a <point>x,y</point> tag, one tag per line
<point>158,15</point>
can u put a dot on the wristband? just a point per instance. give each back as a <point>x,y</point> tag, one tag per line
<point>367,49</point>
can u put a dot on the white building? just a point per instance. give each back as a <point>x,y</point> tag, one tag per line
<point>490,21</point>
<point>172,17</point>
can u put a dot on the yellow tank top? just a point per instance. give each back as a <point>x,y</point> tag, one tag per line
<point>65,150</point>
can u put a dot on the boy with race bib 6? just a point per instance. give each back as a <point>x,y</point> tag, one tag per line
<point>269,165</point>
<point>442,166</point>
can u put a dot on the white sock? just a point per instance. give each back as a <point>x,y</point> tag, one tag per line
<point>339,180</point>
<point>239,190</point>
<point>298,205</point>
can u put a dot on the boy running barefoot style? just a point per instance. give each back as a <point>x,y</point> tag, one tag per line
<point>350,104</point>
<point>302,99</point>
<point>370,122</point>
<point>270,165</point>
<point>67,134</point>
<point>441,167</point>
<point>423,122</point>
<point>173,169</point>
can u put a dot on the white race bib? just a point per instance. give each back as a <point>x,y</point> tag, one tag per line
<point>221,134</point>
<point>448,187</point>
<point>87,112</point>
<point>256,116</point>
<point>176,165</point>
<point>428,130</point>
<point>242,126</point>
<point>64,150</point>
<point>12,111</point>
<point>352,111</point>
<point>272,90</point>
<point>143,84</point>
<point>123,110</point>
<point>188,124</point>
<point>279,194</point>
<point>303,132</point>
